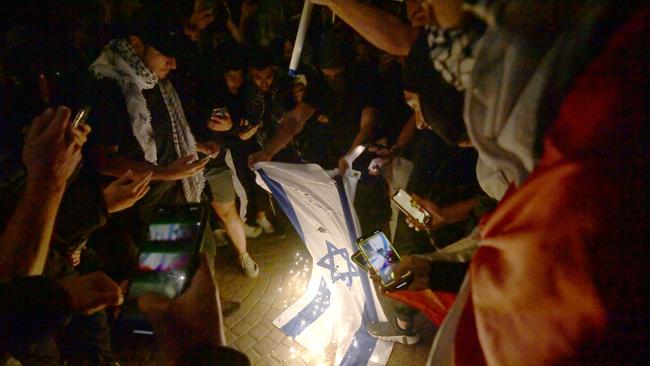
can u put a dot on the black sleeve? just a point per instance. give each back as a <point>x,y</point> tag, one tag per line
<point>212,356</point>
<point>447,276</point>
<point>30,308</point>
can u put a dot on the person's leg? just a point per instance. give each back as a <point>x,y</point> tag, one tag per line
<point>234,225</point>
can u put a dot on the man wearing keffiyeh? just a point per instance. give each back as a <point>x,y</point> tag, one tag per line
<point>141,123</point>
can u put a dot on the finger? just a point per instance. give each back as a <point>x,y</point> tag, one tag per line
<point>60,122</point>
<point>187,159</point>
<point>139,184</point>
<point>40,123</point>
<point>142,193</point>
<point>124,179</point>
<point>84,128</point>
<point>78,137</point>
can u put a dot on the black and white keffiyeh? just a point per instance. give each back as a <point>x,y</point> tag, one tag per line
<point>451,51</point>
<point>118,61</point>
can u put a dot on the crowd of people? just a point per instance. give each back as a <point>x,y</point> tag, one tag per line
<point>524,121</point>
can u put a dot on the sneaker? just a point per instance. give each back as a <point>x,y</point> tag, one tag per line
<point>220,238</point>
<point>389,331</point>
<point>251,270</point>
<point>252,231</point>
<point>229,307</point>
<point>266,225</point>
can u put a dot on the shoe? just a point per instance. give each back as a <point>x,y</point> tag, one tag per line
<point>251,270</point>
<point>229,307</point>
<point>389,331</point>
<point>252,231</point>
<point>266,225</point>
<point>220,238</point>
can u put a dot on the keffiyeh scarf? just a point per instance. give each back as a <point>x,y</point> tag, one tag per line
<point>118,61</point>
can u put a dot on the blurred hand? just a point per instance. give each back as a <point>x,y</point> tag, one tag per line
<point>184,167</point>
<point>201,18</point>
<point>420,269</point>
<point>257,157</point>
<point>343,166</point>
<point>191,320</point>
<point>210,148</point>
<point>247,130</point>
<point>53,148</point>
<point>385,157</point>
<point>220,124</point>
<point>91,293</point>
<point>126,191</point>
<point>73,258</point>
<point>437,219</point>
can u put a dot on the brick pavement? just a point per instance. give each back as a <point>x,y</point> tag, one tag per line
<point>284,272</point>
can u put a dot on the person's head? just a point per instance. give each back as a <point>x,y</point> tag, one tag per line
<point>234,64</point>
<point>333,61</point>
<point>415,13</point>
<point>157,62</point>
<point>262,69</point>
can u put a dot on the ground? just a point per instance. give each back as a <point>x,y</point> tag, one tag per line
<point>284,271</point>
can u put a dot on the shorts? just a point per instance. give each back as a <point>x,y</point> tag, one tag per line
<point>220,182</point>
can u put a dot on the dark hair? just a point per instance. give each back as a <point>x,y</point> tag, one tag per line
<point>233,57</point>
<point>260,58</point>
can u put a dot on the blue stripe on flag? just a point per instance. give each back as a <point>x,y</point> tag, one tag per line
<point>361,349</point>
<point>309,313</point>
<point>281,196</point>
<point>360,353</point>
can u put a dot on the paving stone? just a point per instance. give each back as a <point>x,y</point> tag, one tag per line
<point>244,343</point>
<point>280,353</point>
<point>259,331</point>
<point>264,347</point>
<point>241,328</point>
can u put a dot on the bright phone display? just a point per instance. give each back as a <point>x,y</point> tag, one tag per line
<point>381,255</point>
<point>405,203</point>
<point>167,260</point>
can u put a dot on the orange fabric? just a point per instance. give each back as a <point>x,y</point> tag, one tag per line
<point>561,277</point>
<point>434,305</point>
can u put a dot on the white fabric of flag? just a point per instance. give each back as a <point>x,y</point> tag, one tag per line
<point>340,299</point>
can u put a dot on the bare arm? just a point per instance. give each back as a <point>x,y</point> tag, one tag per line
<point>116,166</point>
<point>406,135</point>
<point>291,125</point>
<point>380,28</point>
<point>51,154</point>
<point>366,126</point>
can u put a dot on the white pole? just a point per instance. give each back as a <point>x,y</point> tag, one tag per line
<point>300,38</point>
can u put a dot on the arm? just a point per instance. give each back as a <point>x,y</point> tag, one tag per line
<point>380,28</point>
<point>116,166</point>
<point>405,136</point>
<point>291,125</point>
<point>366,127</point>
<point>51,154</point>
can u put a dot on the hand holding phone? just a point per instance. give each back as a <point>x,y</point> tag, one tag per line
<point>410,208</point>
<point>382,258</point>
<point>81,116</point>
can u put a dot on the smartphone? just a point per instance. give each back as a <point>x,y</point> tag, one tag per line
<point>219,112</point>
<point>81,116</point>
<point>361,261</point>
<point>166,262</point>
<point>406,204</point>
<point>381,256</point>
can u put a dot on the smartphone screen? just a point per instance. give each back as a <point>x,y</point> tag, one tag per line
<point>166,262</point>
<point>405,203</point>
<point>381,256</point>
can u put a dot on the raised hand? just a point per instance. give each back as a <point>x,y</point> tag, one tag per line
<point>126,191</point>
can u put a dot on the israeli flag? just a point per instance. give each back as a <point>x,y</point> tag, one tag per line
<point>340,300</point>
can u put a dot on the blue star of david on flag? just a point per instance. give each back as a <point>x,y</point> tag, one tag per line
<point>328,262</point>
